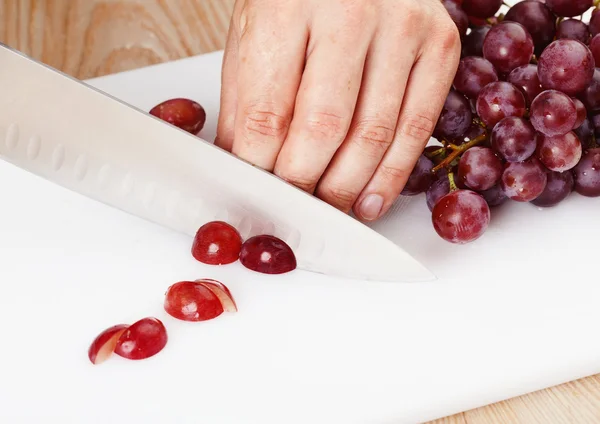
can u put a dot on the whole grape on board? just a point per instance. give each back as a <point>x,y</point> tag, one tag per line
<point>521,119</point>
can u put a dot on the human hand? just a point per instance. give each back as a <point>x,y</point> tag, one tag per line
<point>338,97</point>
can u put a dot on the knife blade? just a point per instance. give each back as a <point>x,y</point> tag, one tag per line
<point>74,135</point>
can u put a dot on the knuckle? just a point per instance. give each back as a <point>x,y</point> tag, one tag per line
<point>301,181</point>
<point>416,127</point>
<point>264,121</point>
<point>373,136</point>
<point>338,197</point>
<point>326,126</point>
<point>450,42</point>
<point>390,172</point>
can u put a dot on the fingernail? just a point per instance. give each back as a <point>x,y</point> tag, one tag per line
<point>371,206</point>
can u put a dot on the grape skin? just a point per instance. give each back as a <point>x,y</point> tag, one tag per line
<point>507,46</point>
<point>581,112</point>
<point>481,8</point>
<point>514,139</point>
<point>473,74</point>
<point>537,19</point>
<point>499,100</point>
<point>559,153</point>
<point>526,78</point>
<point>558,188</point>
<point>456,117</point>
<point>473,43</point>
<point>553,113</point>
<point>524,181</point>
<point>595,48</point>
<point>585,133</point>
<point>567,66</point>
<point>460,18</point>
<point>574,29</point>
<point>420,178</point>
<point>587,174</point>
<point>594,24</point>
<point>590,97</point>
<point>479,168</point>
<point>438,189</point>
<point>569,8</point>
<point>461,216</point>
<point>494,196</point>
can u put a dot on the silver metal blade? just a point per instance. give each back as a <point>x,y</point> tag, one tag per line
<point>74,135</point>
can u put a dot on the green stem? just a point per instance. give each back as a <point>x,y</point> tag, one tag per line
<point>458,150</point>
<point>453,186</point>
<point>596,3</point>
<point>435,153</point>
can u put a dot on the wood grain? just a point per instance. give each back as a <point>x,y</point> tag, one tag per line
<point>89,38</point>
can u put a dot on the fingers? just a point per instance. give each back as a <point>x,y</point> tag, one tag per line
<point>225,125</point>
<point>327,96</point>
<point>428,85</point>
<point>271,55</point>
<point>388,67</point>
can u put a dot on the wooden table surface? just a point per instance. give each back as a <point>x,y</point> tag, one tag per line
<point>89,38</point>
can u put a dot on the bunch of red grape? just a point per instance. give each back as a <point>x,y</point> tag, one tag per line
<point>521,119</point>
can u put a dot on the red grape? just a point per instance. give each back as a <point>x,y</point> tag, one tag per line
<point>473,43</point>
<point>581,112</point>
<point>192,301</point>
<point>514,139</point>
<point>569,8</point>
<point>420,178</point>
<point>183,113</point>
<point>221,291</point>
<point>587,174</point>
<point>524,181</point>
<point>461,216</point>
<point>143,339</point>
<point>481,8</point>
<point>560,152</point>
<point>585,133</point>
<point>526,78</point>
<point>595,48</point>
<point>558,188</point>
<point>494,196</point>
<point>595,118</point>
<point>479,168</point>
<point>498,100</point>
<point>455,118</point>
<point>217,243</point>
<point>508,45</point>
<point>573,29</point>
<point>591,95</point>
<point>473,74</point>
<point>474,131</point>
<point>567,66</point>
<point>438,189</point>
<point>104,344</point>
<point>268,255</point>
<point>594,24</point>
<point>553,113</point>
<point>457,15</point>
<point>537,19</point>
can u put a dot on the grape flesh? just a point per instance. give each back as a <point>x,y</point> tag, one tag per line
<point>567,66</point>
<point>590,97</point>
<point>473,74</point>
<point>514,139</point>
<point>537,19</point>
<point>420,178</point>
<point>559,153</point>
<point>524,181</point>
<point>507,46</point>
<point>481,8</point>
<point>499,100</point>
<point>573,29</point>
<point>455,118</point>
<point>553,113</point>
<point>479,168</point>
<point>217,243</point>
<point>142,339</point>
<point>438,189</point>
<point>585,133</point>
<point>587,174</point>
<point>473,43</point>
<point>569,8</point>
<point>559,187</point>
<point>184,113</point>
<point>494,196</point>
<point>526,78</point>
<point>461,216</point>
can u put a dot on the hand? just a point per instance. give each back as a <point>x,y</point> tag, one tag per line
<point>338,97</point>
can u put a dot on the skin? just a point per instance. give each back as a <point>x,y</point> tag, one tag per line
<point>337,97</point>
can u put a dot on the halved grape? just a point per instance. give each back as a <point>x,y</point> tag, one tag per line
<point>526,78</point>
<point>508,45</point>
<point>573,29</point>
<point>481,8</point>
<point>524,181</point>
<point>499,100</point>
<point>473,43</point>
<point>569,8</point>
<point>558,188</point>
<point>567,66</point>
<point>461,216</point>
<point>456,117</point>
<point>514,139</point>
<point>537,19</point>
<point>479,168</point>
<point>473,74</point>
<point>553,113</point>
<point>559,153</point>
<point>587,174</point>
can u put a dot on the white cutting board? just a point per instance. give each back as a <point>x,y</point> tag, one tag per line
<point>511,313</point>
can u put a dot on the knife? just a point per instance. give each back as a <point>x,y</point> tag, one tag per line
<point>74,135</point>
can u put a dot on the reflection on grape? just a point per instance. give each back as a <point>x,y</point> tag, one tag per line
<point>526,78</point>
<point>560,152</point>
<point>553,113</point>
<point>473,74</point>
<point>456,117</point>
<point>514,139</point>
<point>499,100</point>
<point>524,181</point>
<point>507,46</point>
<point>479,168</point>
<point>461,216</point>
<point>567,66</point>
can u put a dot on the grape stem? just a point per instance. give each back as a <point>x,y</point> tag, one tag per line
<point>435,153</point>
<point>451,181</point>
<point>596,3</point>
<point>458,150</point>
